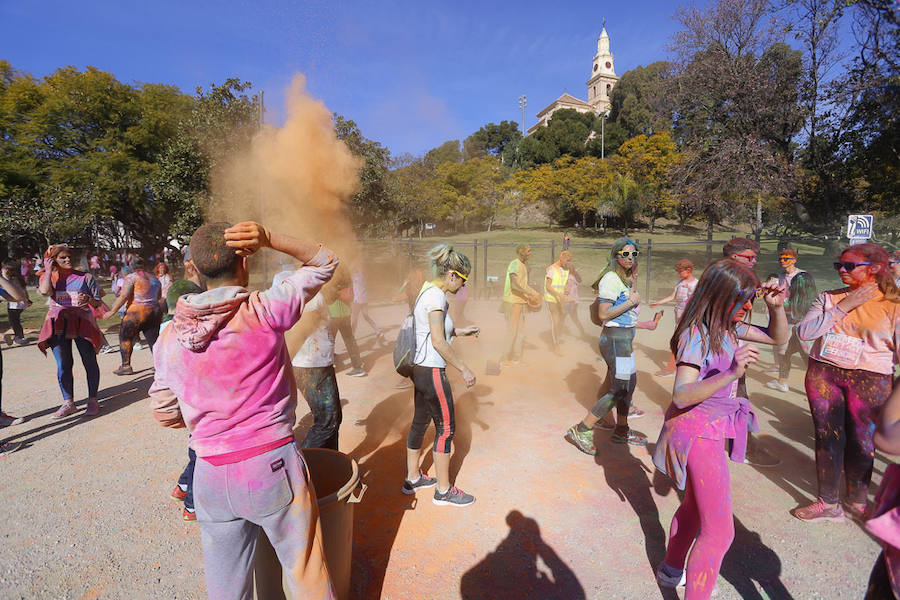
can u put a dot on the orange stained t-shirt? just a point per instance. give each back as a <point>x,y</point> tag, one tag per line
<point>866,338</point>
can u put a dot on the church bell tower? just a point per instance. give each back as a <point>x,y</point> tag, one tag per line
<point>603,75</point>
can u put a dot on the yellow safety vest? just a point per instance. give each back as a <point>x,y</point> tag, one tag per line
<point>558,282</point>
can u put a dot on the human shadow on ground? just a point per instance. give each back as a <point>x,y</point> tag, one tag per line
<point>377,520</point>
<point>466,407</point>
<point>659,356</point>
<point>796,474</point>
<point>393,414</point>
<point>522,566</point>
<point>658,389</point>
<point>749,560</point>
<point>628,477</point>
<point>583,382</point>
<point>111,399</point>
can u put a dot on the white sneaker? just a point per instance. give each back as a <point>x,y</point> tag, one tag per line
<point>107,349</point>
<point>776,385</point>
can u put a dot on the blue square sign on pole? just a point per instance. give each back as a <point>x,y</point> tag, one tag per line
<point>859,228</point>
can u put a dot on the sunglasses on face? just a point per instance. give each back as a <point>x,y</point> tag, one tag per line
<point>626,254</point>
<point>786,258</point>
<point>750,257</point>
<point>895,262</point>
<point>461,276</point>
<point>848,266</point>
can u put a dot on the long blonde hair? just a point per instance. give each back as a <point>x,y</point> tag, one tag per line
<point>445,259</point>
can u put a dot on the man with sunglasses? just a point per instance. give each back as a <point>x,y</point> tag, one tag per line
<point>802,288</point>
<point>516,295</point>
<point>746,252</point>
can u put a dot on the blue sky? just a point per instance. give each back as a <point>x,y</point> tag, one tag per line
<point>411,74</point>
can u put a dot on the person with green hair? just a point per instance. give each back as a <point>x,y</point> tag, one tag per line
<point>618,308</point>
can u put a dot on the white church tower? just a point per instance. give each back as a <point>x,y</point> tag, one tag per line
<point>603,80</point>
<point>603,75</point>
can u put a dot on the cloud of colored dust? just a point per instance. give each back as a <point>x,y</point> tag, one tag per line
<point>295,179</point>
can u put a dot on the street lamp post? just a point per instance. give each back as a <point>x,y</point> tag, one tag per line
<point>523,102</point>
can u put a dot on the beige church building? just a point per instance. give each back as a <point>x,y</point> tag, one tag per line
<point>599,87</point>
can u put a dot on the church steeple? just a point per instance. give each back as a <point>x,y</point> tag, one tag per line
<point>603,74</point>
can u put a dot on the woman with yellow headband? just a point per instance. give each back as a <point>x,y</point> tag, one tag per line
<point>433,397</point>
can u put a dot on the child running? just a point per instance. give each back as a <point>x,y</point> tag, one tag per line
<point>683,291</point>
<point>705,411</point>
<point>223,369</point>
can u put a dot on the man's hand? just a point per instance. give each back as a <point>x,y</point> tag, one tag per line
<point>471,330</point>
<point>247,238</point>
<point>634,298</point>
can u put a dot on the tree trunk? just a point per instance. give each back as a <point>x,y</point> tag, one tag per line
<point>758,218</point>
<point>709,225</point>
<point>491,222</point>
<point>652,222</point>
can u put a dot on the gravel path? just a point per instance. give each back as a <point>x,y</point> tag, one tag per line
<point>86,512</point>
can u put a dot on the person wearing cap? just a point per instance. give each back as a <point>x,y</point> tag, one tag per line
<point>894,262</point>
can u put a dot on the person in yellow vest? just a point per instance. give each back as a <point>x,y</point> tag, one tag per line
<point>555,294</point>
<point>516,295</point>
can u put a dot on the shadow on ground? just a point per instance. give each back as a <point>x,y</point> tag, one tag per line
<point>523,566</point>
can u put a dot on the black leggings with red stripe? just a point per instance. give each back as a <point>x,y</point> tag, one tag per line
<point>434,402</point>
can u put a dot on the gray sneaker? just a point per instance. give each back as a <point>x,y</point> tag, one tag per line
<point>410,487</point>
<point>453,497</point>
<point>356,372</point>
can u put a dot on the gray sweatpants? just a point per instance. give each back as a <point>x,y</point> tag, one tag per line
<point>270,491</point>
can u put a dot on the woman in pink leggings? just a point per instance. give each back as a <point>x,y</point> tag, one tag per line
<point>705,412</point>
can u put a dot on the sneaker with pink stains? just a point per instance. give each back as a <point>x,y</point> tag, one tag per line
<point>820,511</point>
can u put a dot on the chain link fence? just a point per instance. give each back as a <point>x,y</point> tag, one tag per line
<point>388,262</point>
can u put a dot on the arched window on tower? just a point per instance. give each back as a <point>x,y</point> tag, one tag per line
<point>608,88</point>
<point>593,91</point>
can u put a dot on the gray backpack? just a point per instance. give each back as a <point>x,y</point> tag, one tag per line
<point>405,346</point>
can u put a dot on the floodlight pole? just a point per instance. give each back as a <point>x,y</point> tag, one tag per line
<point>523,102</point>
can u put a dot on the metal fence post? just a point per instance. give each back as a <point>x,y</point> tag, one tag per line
<point>552,251</point>
<point>484,261</point>
<point>474,275</point>
<point>649,258</point>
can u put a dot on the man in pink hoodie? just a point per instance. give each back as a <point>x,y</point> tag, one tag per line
<point>223,370</point>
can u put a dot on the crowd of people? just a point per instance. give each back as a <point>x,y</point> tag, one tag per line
<point>223,371</point>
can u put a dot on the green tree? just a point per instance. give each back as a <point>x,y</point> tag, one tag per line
<point>491,139</point>
<point>372,208</point>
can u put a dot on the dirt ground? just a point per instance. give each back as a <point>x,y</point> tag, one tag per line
<point>86,508</point>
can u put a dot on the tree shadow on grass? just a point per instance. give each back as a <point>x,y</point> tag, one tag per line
<point>523,566</point>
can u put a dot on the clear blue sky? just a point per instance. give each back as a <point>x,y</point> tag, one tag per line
<point>411,74</point>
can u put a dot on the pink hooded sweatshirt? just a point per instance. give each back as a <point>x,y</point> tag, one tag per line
<point>223,369</point>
